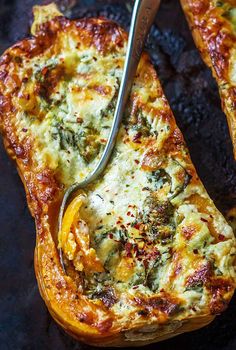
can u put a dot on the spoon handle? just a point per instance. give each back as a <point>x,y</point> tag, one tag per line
<point>142,18</point>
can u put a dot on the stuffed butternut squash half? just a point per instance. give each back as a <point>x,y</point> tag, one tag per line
<point>146,253</point>
<point>213,24</point>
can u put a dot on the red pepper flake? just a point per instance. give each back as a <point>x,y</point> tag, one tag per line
<point>188,231</point>
<point>24,130</point>
<point>110,235</point>
<point>137,161</point>
<point>128,248</point>
<point>86,318</point>
<point>103,140</point>
<point>118,222</point>
<point>44,71</point>
<point>135,287</point>
<point>104,326</point>
<point>136,226</point>
<point>177,270</point>
<point>79,120</point>
<point>204,220</point>
<point>137,253</point>
<point>128,213</point>
<point>59,285</point>
<point>195,251</point>
<point>132,215</point>
<point>122,226</point>
<point>137,137</point>
<point>221,237</point>
<point>154,254</point>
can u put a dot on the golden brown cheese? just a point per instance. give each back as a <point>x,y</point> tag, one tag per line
<point>147,254</point>
<point>213,24</point>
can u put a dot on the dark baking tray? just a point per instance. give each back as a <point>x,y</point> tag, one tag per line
<point>24,321</point>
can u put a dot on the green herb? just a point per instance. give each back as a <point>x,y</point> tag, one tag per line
<point>112,256</point>
<point>139,123</point>
<point>160,177</point>
<point>152,275</point>
<point>198,287</point>
<point>110,109</point>
<point>137,278</point>
<point>85,140</point>
<point>117,235</point>
<point>99,196</point>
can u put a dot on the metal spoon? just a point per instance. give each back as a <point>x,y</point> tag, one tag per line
<point>143,15</point>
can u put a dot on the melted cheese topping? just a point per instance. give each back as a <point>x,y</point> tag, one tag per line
<point>78,116</point>
<point>145,238</point>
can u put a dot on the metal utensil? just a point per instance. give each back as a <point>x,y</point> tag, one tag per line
<point>142,18</point>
